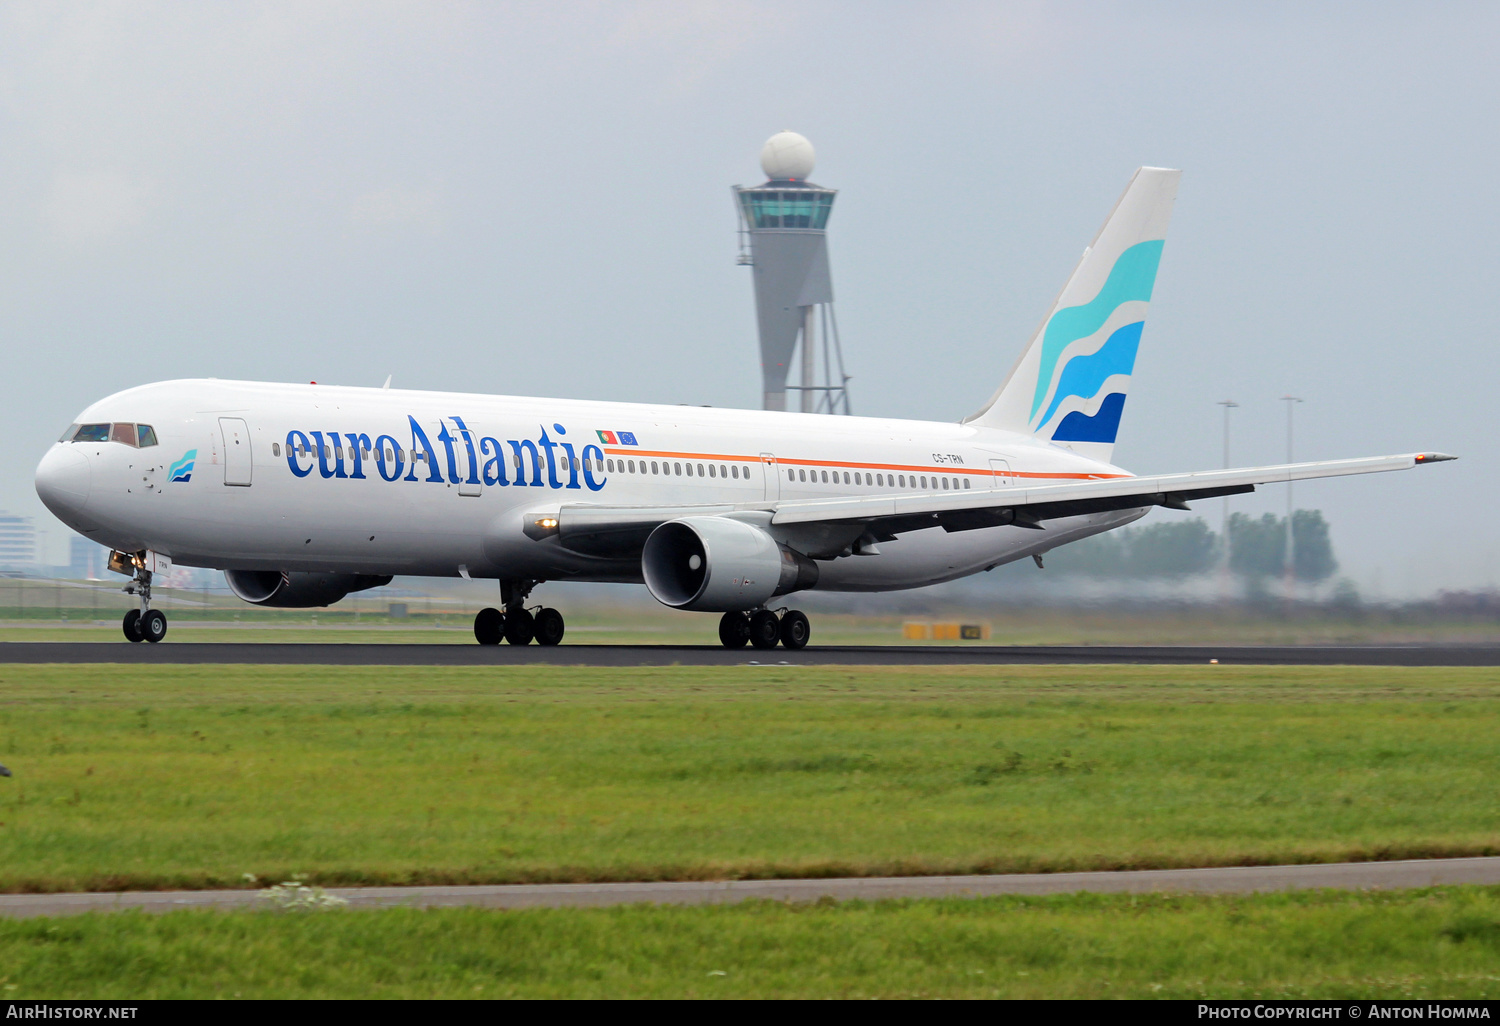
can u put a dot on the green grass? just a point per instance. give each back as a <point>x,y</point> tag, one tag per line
<point>1441,943</point>
<point>193,776</point>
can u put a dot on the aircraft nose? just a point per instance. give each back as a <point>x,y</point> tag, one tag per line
<point>62,479</point>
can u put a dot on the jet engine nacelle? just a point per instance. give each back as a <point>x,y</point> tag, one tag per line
<point>717,565</point>
<point>298,591</point>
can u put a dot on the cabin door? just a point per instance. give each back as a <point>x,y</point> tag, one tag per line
<point>237,461</point>
<point>470,470</point>
<point>772,475</point>
<point>1000,469</point>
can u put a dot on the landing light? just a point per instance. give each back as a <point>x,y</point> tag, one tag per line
<point>547,523</point>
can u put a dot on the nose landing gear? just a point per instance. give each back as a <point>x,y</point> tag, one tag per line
<point>145,623</point>
<point>765,629</point>
<point>517,624</point>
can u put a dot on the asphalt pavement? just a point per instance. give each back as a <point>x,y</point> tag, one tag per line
<point>1229,880</point>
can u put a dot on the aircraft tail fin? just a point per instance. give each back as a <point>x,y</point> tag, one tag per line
<point>1069,385</point>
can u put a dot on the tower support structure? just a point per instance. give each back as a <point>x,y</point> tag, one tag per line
<point>784,239</point>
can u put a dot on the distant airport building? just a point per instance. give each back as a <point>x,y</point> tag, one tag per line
<point>17,542</point>
<point>85,558</point>
<point>784,239</point>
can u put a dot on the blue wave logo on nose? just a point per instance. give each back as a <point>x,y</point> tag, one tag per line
<point>182,470</point>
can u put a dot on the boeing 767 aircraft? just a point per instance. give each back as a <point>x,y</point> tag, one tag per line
<point>302,494</point>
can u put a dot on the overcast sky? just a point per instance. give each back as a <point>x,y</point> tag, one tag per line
<point>534,199</point>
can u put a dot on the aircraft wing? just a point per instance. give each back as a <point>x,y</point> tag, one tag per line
<point>1028,505</point>
<point>622,530</point>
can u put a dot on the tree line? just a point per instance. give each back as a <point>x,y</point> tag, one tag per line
<point>1183,548</point>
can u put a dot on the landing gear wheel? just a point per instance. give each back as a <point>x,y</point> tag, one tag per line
<point>734,630</point>
<point>132,626</point>
<point>153,626</point>
<point>489,626</point>
<point>795,630</point>
<point>549,627</point>
<point>765,629</point>
<point>520,627</point>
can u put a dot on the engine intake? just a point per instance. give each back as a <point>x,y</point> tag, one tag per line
<point>713,564</point>
<point>298,591</point>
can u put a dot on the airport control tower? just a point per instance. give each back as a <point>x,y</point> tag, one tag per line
<point>784,239</point>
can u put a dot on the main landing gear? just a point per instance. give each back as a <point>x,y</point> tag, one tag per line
<point>517,624</point>
<point>765,629</point>
<point>145,623</point>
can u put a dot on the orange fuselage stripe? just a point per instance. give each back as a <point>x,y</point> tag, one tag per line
<point>898,467</point>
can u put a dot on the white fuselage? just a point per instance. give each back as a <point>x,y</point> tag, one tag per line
<point>323,479</point>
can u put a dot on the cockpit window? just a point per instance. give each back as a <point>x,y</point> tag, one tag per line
<point>124,433</point>
<point>67,436</point>
<point>91,433</point>
<point>145,435</point>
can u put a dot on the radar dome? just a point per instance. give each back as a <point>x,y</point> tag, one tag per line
<point>787,155</point>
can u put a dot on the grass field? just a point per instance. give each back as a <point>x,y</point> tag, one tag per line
<point>1431,944</point>
<point>195,776</point>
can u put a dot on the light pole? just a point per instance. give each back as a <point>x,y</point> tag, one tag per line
<point>1291,404</point>
<point>1228,404</point>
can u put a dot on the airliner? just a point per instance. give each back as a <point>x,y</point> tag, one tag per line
<point>303,494</point>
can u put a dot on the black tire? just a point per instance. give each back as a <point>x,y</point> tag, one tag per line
<point>489,626</point>
<point>153,626</point>
<point>520,627</point>
<point>132,626</point>
<point>765,629</point>
<point>734,630</point>
<point>795,630</point>
<point>549,627</point>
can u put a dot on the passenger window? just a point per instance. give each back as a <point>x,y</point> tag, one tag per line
<point>711,472</point>
<point>723,471</point>
<point>679,468</point>
<point>903,480</point>
<point>700,470</point>
<point>145,435</point>
<point>275,449</point>
<point>825,477</point>
<point>802,475</point>
<point>124,433</point>
<point>966,482</point>
<point>654,469</point>
<point>945,484</point>
<point>92,433</point>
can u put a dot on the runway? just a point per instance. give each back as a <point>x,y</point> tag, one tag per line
<point>1232,880</point>
<point>713,655</point>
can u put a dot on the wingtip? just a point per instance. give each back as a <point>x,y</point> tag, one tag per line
<point>1434,457</point>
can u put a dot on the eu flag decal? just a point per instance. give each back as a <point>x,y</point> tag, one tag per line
<point>628,438</point>
<point>607,437</point>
